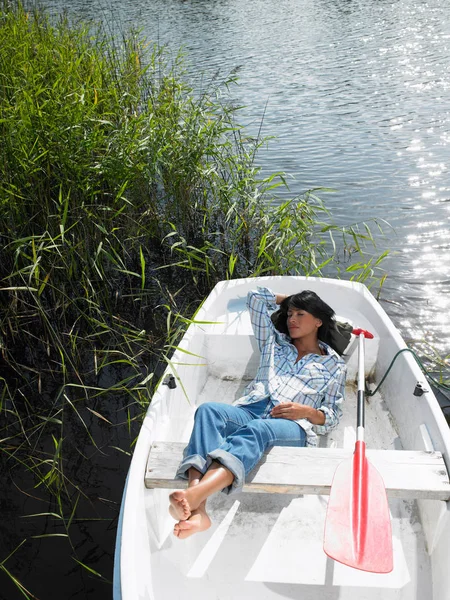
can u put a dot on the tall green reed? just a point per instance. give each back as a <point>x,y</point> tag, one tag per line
<point>125,195</point>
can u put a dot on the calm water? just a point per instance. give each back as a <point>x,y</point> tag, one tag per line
<point>358,97</point>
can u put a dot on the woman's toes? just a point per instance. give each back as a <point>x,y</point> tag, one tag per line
<point>179,506</point>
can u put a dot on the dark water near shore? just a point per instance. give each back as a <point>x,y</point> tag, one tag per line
<point>357,94</point>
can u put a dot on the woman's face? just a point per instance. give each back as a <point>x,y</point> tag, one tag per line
<point>302,324</point>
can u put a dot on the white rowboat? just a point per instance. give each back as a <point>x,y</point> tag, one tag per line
<point>267,542</point>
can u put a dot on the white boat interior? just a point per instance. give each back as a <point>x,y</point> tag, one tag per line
<point>269,546</point>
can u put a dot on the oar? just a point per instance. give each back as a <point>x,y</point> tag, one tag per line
<point>358,525</point>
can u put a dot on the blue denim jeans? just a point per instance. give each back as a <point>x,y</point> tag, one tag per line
<point>237,437</point>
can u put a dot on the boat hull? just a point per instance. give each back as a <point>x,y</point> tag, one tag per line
<point>270,545</point>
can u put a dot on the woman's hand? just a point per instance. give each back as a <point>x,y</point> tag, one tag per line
<point>279,298</point>
<point>294,411</point>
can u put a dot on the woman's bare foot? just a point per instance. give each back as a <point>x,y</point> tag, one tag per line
<point>183,503</point>
<point>197,522</point>
<point>179,506</point>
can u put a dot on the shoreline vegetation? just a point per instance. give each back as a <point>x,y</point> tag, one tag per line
<point>125,195</point>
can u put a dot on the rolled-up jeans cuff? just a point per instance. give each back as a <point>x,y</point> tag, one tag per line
<point>194,460</point>
<point>234,465</point>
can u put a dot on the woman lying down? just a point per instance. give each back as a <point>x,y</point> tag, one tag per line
<point>296,395</point>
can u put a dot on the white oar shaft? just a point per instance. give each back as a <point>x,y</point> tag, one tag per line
<point>361,390</point>
<point>361,370</point>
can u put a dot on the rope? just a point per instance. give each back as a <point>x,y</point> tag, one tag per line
<point>437,383</point>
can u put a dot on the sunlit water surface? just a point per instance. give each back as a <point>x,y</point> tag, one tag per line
<point>357,94</point>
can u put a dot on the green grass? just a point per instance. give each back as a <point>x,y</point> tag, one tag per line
<point>125,195</point>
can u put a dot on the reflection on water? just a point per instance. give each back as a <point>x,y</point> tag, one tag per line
<point>357,97</point>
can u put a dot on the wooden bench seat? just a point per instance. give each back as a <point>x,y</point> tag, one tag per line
<point>406,474</point>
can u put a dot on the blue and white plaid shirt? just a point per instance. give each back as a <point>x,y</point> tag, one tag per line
<point>315,380</point>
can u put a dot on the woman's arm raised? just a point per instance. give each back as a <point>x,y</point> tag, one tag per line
<point>260,302</point>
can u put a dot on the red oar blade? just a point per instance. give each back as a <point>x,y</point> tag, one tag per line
<point>358,525</point>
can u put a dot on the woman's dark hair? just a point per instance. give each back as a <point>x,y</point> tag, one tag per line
<point>310,302</point>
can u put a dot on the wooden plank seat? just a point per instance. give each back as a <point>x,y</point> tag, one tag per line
<point>406,474</point>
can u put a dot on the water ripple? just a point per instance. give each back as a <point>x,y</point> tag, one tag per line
<point>357,95</point>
